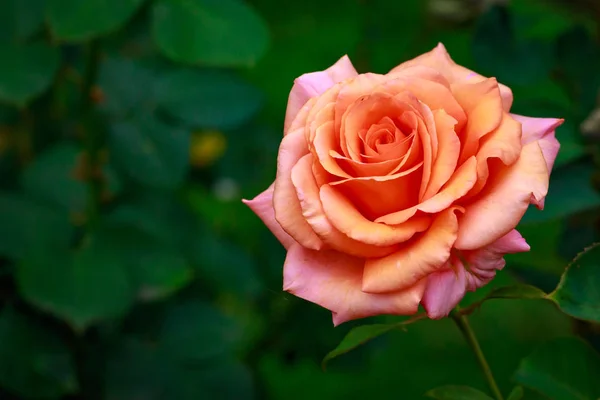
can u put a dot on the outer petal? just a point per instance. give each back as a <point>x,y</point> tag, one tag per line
<point>483,105</point>
<point>262,205</point>
<point>333,280</point>
<point>414,261</point>
<point>439,59</point>
<point>504,144</point>
<point>285,201</point>
<point>446,288</point>
<point>315,83</point>
<point>501,205</point>
<point>542,130</point>
<point>312,210</point>
<point>484,262</point>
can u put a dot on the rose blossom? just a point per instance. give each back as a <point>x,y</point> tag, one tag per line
<point>402,189</point>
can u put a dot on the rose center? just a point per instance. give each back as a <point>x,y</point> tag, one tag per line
<point>388,138</point>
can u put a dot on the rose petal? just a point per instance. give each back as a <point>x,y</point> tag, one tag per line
<point>325,140</point>
<point>483,105</point>
<point>285,202</point>
<point>542,130</point>
<point>301,117</point>
<point>312,210</point>
<point>433,94</point>
<point>440,60</point>
<point>393,192</point>
<point>351,91</point>
<point>262,205</point>
<point>446,288</point>
<point>444,165</point>
<point>459,184</point>
<point>344,216</point>
<point>315,83</point>
<point>504,144</point>
<point>416,259</point>
<point>333,280</point>
<point>490,258</point>
<point>504,200</point>
<point>368,111</point>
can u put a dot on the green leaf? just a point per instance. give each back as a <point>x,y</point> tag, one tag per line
<point>577,54</point>
<point>159,214</point>
<point>457,393</point>
<point>516,394</point>
<point>579,59</point>
<point>82,287</point>
<point>127,86</point>
<point>20,19</point>
<point>74,20</point>
<point>223,265</point>
<point>150,152</point>
<point>27,226</point>
<point>224,379</point>
<point>195,332</point>
<point>133,371</point>
<point>26,71</point>
<point>578,293</point>
<point>570,192</point>
<point>362,334</point>
<point>209,32</point>
<point>207,98</point>
<point>137,370</point>
<point>562,369</point>
<point>517,291</point>
<point>52,178</point>
<point>541,19</point>
<point>498,53</point>
<point>157,269</point>
<point>34,362</point>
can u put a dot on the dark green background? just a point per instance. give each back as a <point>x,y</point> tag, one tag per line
<point>131,129</point>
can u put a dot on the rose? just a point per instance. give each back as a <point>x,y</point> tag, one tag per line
<point>402,189</point>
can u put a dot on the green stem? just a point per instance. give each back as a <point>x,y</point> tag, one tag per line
<point>93,137</point>
<point>463,325</point>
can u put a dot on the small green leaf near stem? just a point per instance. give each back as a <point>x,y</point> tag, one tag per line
<point>463,325</point>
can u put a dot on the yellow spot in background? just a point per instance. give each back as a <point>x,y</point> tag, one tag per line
<point>206,148</point>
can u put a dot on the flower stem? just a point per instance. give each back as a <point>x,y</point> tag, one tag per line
<point>463,325</point>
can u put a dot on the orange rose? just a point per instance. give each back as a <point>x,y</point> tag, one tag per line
<point>402,189</point>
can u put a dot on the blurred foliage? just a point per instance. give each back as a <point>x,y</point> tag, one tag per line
<point>129,269</point>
